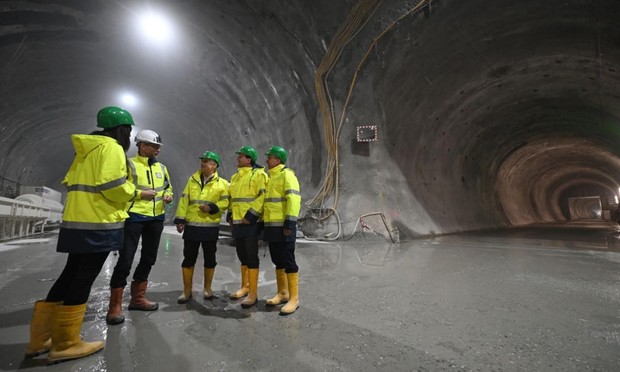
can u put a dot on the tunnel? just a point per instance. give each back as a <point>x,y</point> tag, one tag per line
<point>486,114</point>
<point>422,121</point>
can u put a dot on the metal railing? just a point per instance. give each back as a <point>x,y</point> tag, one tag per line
<point>20,219</point>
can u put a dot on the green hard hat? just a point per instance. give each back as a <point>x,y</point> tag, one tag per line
<point>211,155</point>
<point>248,151</point>
<point>112,117</point>
<point>279,153</point>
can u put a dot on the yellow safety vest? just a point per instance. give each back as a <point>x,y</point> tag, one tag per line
<point>282,198</point>
<point>247,193</point>
<point>98,190</point>
<point>145,177</point>
<point>212,193</point>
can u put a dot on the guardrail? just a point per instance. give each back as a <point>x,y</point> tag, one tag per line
<point>20,219</point>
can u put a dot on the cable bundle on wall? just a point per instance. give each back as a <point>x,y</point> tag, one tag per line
<point>356,20</point>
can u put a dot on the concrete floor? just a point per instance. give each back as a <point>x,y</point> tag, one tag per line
<point>545,298</point>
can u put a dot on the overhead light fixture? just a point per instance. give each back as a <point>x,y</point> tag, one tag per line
<point>128,99</point>
<point>156,27</point>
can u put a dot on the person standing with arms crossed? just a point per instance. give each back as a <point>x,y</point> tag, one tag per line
<point>198,217</point>
<point>281,209</point>
<point>146,221</point>
<point>247,192</point>
<point>92,226</point>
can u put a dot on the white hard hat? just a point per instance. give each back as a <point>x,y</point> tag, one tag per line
<point>148,136</point>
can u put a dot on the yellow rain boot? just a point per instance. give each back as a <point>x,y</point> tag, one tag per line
<point>282,295</point>
<point>208,293</point>
<point>252,297</point>
<point>66,341</point>
<point>188,276</point>
<point>245,286</point>
<point>293,302</point>
<point>40,328</point>
<point>115,312</point>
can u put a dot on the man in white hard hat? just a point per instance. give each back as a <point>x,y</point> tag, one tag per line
<point>146,221</point>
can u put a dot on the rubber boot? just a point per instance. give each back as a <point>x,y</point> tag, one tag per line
<point>208,293</point>
<point>282,295</point>
<point>245,286</point>
<point>293,302</point>
<point>115,312</point>
<point>252,297</point>
<point>138,298</point>
<point>66,341</point>
<point>40,328</point>
<point>188,276</point>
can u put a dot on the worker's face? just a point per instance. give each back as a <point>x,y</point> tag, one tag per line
<point>272,161</point>
<point>149,150</point>
<point>207,166</point>
<point>243,161</point>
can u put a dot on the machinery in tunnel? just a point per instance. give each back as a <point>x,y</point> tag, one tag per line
<point>36,210</point>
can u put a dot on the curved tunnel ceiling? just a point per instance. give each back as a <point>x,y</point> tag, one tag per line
<point>489,113</point>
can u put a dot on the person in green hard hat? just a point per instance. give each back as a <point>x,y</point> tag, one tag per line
<point>198,217</point>
<point>92,227</point>
<point>247,193</point>
<point>281,209</point>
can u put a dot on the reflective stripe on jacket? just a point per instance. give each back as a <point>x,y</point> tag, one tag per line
<point>282,198</point>
<point>213,193</point>
<point>98,190</point>
<point>145,177</point>
<point>247,193</point>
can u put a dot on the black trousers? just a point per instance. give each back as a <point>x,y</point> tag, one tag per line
<point>190,253</point>
<point>76,280</point>
<point>247,251</point>
<point>283,256</point>
<point>150,232</point>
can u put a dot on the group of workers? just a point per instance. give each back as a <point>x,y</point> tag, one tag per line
<point>113,202</point>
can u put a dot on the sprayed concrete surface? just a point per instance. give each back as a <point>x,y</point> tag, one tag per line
<point>517,300</point>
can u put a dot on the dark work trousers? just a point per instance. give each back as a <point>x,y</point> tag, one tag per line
<point>283,256</point>
<point>190,253</point>
<point>247,251</point>
<point>74,283</point>
<point>150,231</point>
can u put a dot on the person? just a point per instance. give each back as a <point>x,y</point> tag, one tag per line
<point>146,220</point>
<point>281,209</point>
<point>247,192</point>
<point>92,226</point>
<point>198,217</point>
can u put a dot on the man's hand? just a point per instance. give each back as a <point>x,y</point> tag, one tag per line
<point>287,232</point>
<point>180,227</point>
<point>245,221</point>
<point>167,198</point>
<point>204,208</point>
<point>148,194</point>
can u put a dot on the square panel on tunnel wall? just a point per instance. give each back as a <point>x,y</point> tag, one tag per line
<point>367,133</point>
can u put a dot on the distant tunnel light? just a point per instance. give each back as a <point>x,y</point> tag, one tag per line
<point>128,99</point>
<point>156,27</point>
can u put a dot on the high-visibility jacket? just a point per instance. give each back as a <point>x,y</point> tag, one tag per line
<point>149,176</point>
<point>247,193</point>
<point>282,198</point>
<point>213,193</point>
<point>97,196</point>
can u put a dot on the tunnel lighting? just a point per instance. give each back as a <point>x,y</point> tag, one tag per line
<point>156,27</point>
<point>128,99</point>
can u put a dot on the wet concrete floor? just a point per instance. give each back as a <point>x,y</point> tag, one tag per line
<point>545,299</point>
